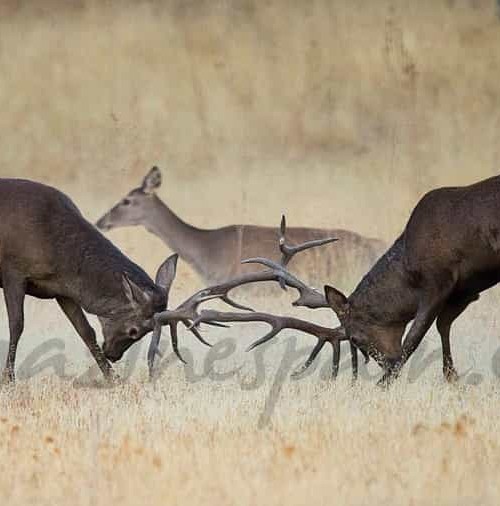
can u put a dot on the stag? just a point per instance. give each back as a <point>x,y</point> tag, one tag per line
<point>448,253</point>
<point>188,313</point>
<point>48,250</point>
<point>216,254</point>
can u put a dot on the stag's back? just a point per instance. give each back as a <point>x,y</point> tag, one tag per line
<point>34,219</point>
<point>44,236</point>
<point>455,227</point>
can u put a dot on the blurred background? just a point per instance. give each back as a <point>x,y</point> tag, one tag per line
<point>339,113</point>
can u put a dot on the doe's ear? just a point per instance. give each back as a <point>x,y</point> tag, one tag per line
<point>166,274</point>
<point>152,181</point>
<point>136,295</point>
<point>338,301</point>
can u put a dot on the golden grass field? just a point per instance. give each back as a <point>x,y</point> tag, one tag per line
<point>341,114</point>
<point>175,443</point>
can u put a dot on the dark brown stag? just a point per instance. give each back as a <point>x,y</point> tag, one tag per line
<point>50,251</point>
<point>447,255</point>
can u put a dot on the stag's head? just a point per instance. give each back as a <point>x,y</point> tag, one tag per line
<point>136,207</point>
<point>127,325</point>
<point>381,342</point>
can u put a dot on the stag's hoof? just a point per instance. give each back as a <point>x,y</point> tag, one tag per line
<point>450,375</point>
<point>112,378</point>
<point>384,382</point>
<point>93,378</point>
<point>387,380</point>
<point>7,378</point>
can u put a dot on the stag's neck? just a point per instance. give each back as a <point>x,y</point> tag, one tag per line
<point>190,243</point>
<point>98,276</point>
<point>384,295</point>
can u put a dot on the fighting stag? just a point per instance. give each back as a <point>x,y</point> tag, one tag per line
<point>448,253</point>
<point>48,250</point>
<point>188,312</point>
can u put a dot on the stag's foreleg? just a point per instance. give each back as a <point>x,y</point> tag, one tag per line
<point>14,287</point>
<point>430,306</point>
<point>451,311</point>
<point>79,321</point>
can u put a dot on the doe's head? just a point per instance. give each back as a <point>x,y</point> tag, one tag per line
<point>134,208</point>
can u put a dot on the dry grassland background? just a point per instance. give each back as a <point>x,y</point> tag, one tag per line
<point>339,113</point>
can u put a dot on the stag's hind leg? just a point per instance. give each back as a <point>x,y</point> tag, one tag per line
<point>14,287</point>
<point>450,312</point>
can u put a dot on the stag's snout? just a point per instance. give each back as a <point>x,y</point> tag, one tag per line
<point>114,352</point>
<point>112,356</point>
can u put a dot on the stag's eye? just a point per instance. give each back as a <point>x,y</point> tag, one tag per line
<point>126,202</point>
<point>133,332</point>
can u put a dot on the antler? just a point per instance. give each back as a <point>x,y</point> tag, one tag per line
<point>288,251</point>
<point>188,310</point>
<point>308,296</point>
<point>279,323</point>
<point>277,272</point>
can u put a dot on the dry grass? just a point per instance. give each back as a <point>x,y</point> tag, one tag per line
<point>178,443</point>
<point>341,114</point>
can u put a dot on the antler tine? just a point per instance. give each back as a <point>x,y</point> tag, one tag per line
<point>288,251</point>
<point>308,296</point>
<point>155,341</point>
<point>279,323</point>
<point>174,338</point>
<point>310,359</point>
<point>196,333</point>
<point>154,349</point>
<point>231,302</point>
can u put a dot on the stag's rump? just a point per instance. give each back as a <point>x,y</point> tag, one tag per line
<point>456,230</point>
<point>34,223</point>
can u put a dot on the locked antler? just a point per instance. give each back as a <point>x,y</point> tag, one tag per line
<point>279,323</point>
<point>308,297</point>
<point>288,251</point>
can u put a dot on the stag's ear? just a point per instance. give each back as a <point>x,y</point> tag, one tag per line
<point>136,296</point>
<point>338,301</point>
<point>152,181</point>
<point>166,274</point>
